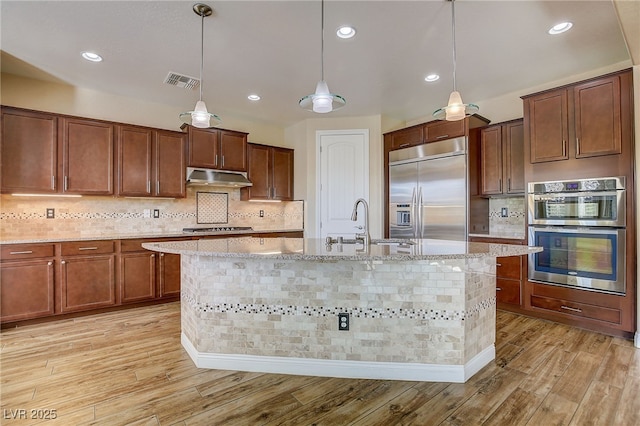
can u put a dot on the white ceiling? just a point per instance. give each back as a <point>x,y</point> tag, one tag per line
<point>272,48</point>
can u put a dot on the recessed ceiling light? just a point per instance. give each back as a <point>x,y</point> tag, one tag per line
<point>93,57</point>
<point>346,31</point>
<point>253,97</point>
<point>432,77</point>
<point>560,28</point>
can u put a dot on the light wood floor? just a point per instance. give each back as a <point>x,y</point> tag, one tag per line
<point>129,368</point>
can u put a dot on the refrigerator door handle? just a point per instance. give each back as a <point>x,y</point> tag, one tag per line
<point>413,218</point>
<point>419,234</point>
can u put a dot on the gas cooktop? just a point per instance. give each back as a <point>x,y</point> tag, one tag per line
<point>218,229</point>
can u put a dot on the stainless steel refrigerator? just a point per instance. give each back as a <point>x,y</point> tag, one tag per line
<point>428,191</point>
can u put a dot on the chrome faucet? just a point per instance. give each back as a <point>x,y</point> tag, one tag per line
<point>364,236</point>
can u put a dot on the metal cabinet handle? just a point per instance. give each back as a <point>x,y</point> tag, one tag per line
<point>21,252</point>
<point>88,248</point>
<point>442,136</point>
<point>568,308</point>
<point>161,254</point>
<point>215,162</point>
<point>498,264</point>
<point>404,145</point>
<point>564,148</point>
<point>153,255</point>
<point>149,186</point>
<point>508,184</point>
<point>66,183</point>
<point>158,187</point>
<point>500,182</point>
<point>53,182</point>
<point>223,161</point>
<point>49,263</point>
<point>498,289</point>
<point>274,192</point>
<point>63,262</point>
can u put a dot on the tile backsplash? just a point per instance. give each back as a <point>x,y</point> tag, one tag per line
<point>25,217</point>
<point>514,222</point>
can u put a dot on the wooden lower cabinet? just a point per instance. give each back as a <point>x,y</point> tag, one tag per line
<point>137,276</point>
<point>509,280</point>
<point>27,289</point>
<point>168,275</point>
<point>87,275</point>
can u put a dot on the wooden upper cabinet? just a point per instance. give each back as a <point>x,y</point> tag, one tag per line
<point>233,151</point>
<point>404,138</point>
<point>282,174</point>
<point>548,126</point>
<point>203,147</point>
<point>87,156</point>
<point>170,164</point>
<point>271,172</point>
<point>598,117</point>
<point>441,130</point>
<point>513,134</point>
<point>579,121</point>
<point>217,149</point>
<point>151,162</point>
<point>502,158</point>
<point>491,160</point>
<point>29,151</point>
<point>134,161</point>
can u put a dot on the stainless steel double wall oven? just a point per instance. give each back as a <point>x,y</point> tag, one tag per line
<point>581,224</point>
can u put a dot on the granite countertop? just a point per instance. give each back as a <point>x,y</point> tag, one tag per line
<point>502,236</point>
<point>317,249</point>
<point>35,239</point>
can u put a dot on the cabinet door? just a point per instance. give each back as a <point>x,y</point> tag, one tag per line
<point>441,130</point>
<point>406,137</point>
<point>282,174</point>
<point>170,165</point>
<point>27,289</point>
<point>491,160</point>
<point>29,151</point>
<point>259,158</point>
<point>87,282</point>
<point>87,157</point>
<point>134,161</point>
<point>548,126</point>
<point>233,151</point>
<point>137,277</point>
<point>598,118</point>
<point>508,291</point>
<point>203,147</point>
<point>513,134</point>
<point>169,275</point>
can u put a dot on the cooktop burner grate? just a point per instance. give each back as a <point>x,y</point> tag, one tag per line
<point>218,229</point>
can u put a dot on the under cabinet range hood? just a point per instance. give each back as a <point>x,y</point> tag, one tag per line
<point>199,176</point>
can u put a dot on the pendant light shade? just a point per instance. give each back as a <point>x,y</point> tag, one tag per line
<point>322,101</point>
<point>455,109</point>
<point>200,117</point>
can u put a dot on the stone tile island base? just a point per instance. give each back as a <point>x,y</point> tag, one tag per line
<point>423,320</point>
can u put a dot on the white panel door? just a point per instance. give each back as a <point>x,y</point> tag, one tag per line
<point>344,177</point>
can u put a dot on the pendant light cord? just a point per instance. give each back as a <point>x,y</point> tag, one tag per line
<point>453,35</point>
<point>201,50</point>
<point>322,41</point>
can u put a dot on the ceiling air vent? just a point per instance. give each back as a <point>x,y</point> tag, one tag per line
<point>183,81</point>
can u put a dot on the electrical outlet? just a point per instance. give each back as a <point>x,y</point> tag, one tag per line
<point>261,213</point>
<point>343,321</point>
<point>51,213</point>
<point>146,213</point>
<point>504,212</point>
<point>156,213</point>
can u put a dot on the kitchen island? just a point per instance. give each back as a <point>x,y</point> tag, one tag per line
<point>422,310</point>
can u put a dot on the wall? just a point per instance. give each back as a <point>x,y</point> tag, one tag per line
<point>64,99</point>
<point>24,218</point>
<point>302,137</point>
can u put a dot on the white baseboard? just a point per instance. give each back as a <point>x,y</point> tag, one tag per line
<point>343,369</point>
<point>636,339</point>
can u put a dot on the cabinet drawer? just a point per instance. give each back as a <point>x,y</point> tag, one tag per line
<point>509,267</point>
<point>27,251</point>
<point>508,291</point>
<point>87,247</point>
<point>577,309</point>
<point>444,130</point>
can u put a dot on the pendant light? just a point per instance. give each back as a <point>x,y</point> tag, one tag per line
<point>455,109</point>
<point>200,117</point>
<point>322,101</point>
